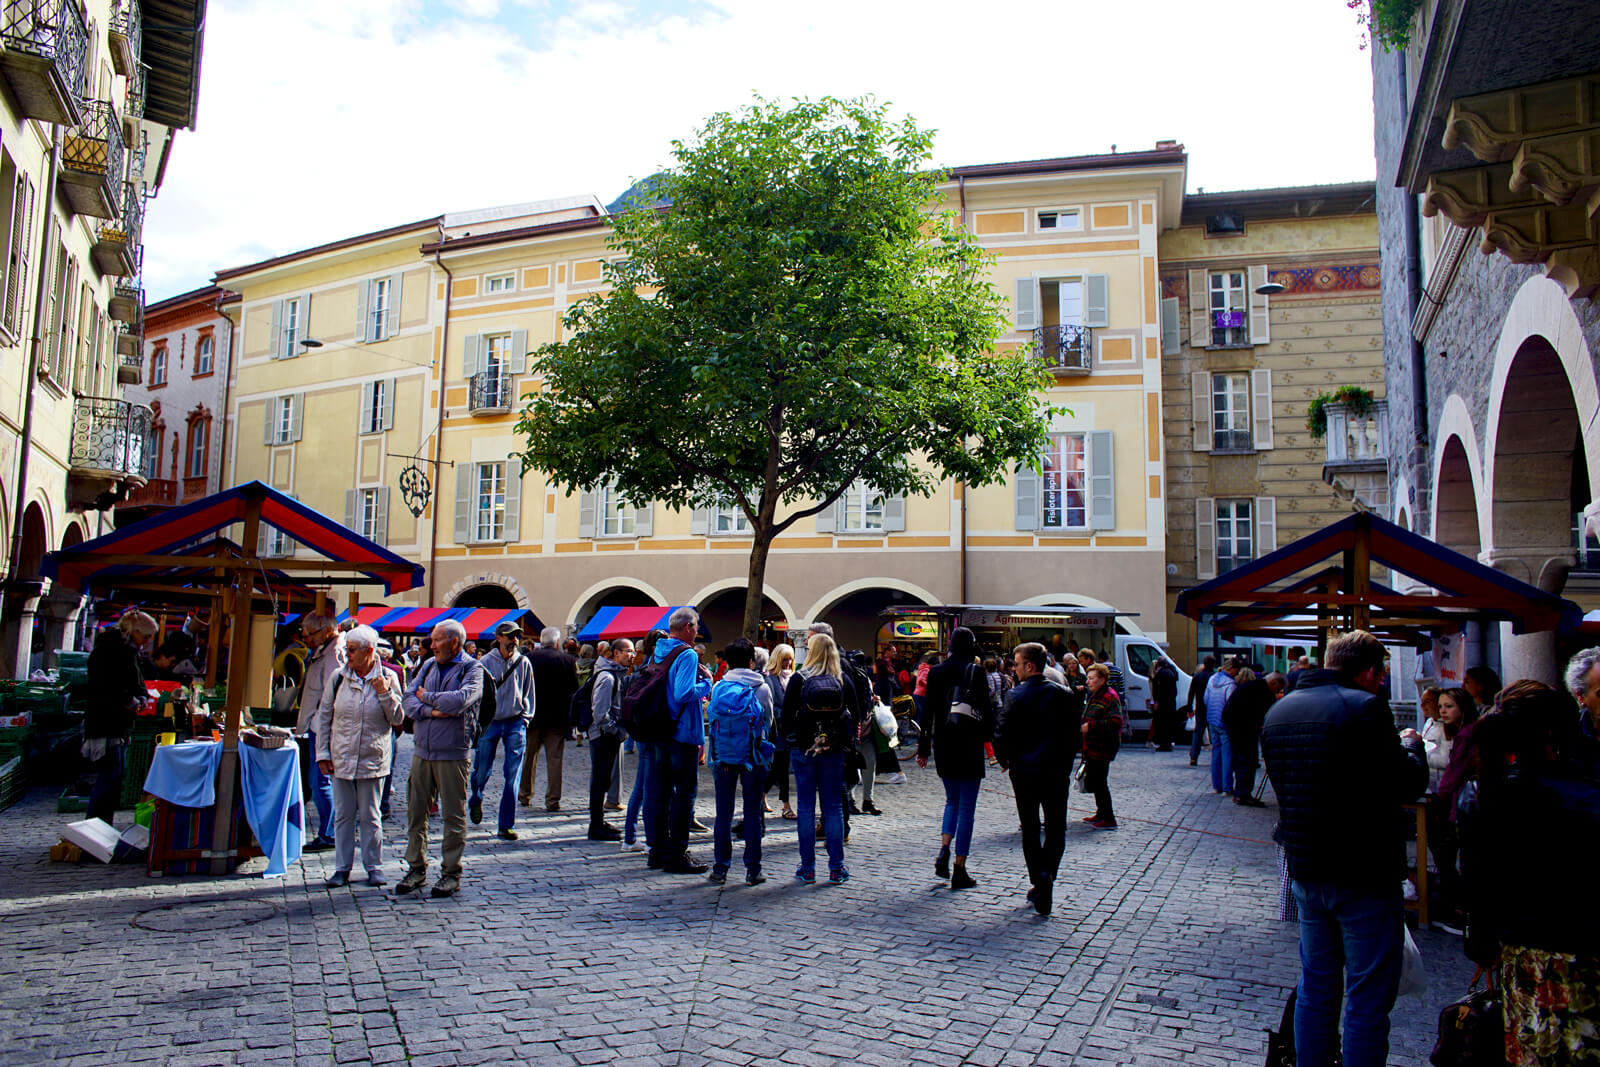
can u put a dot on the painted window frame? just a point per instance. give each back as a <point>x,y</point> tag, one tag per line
<point>378,310</point>
<point>283,413</point>
<point>1235,336</point>
<point>372,417</point>
<point>1054,463</point>
<point>1231,428</point>
<point>1074,213</point>
<point>158,367</point>
<point>205,348</point>
<point>489,502</point>
<point>612,516</point>
<point>509,280</point>
<point>857,513</point>
<point>1241,513</point>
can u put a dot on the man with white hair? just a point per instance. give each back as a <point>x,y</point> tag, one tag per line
<point>1583,682</point>
<point>443,704</point>
<point>555,680</point>
<point>320,632</point>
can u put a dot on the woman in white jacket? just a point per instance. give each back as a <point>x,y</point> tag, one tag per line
<point>355,723</point>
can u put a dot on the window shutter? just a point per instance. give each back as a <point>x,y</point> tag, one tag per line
<point>828,518</point>
<point>644,521</point>
<point>1171,341</point>
<point>391,318</point>
<point>1096,300</point>
<point>700,521</point>
<point>276,348</point>
<point>1199,309</point>
<point>363,297</point>
<point>1200,388</point>
<point>388,402</point>
<point>296,414</point>
<point>586,501</point>
<point>1025,307</point>
<point>466,475</point>
<point>271,421</point>
<point>305,323</point>
<point>469,355</point>
<point>519,352</point>
<point>1028,492</point>
<point>380,532</point>
<point>352,510</point>
<point>262,530</point>
<point>1205,538</point>
<point>513,527</point>
<point>1102,482</point>
<point>1266,525</point>
<point>1261,407</point>
<point>1260,329</point>
<point>367,389</point>
<point>894,513</point>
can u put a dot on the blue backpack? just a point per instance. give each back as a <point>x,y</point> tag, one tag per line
<point>738,726</point>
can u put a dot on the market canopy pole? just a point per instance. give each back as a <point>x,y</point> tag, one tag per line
<point>238,672</point>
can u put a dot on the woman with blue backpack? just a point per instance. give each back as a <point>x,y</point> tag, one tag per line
<point>818,726</point>
<point>957,721</point>
<point>738,720</point>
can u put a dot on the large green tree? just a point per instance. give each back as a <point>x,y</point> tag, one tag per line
<point>791,313</point>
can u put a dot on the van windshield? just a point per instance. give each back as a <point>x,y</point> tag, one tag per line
<point>1142,659</point>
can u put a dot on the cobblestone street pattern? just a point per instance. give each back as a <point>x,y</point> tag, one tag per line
<point>1165,947</point>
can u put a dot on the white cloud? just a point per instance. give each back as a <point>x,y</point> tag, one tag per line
<point>321,120</point>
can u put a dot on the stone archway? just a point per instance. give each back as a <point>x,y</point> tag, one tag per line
<point>491,579</point>
<point>487,595</point>
<point>1455,500</point>
<point>20,634</point>
<point>613,593</point>
<point>59,611</point>
<point>854,610</point>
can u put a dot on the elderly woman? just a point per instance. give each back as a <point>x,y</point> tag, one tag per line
<point>355,722</point>
<point>116,691</point>
<point>1102,736</point>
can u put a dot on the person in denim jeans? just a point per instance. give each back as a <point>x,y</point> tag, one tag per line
<point>320,632</point>
<point>816,755</point>
<point>1341,772</point>
<point>508,670</point>
<point>743,769</point>
<point>641,773</point>
<point>674,774</point>
<point>1218,690</point>
<point>956,744</point>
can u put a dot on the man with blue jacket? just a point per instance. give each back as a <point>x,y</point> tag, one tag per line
<point>443,704</point>
<point>669,806</point>
<point>1218,689</point>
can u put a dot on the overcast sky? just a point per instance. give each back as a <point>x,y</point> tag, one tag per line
<point>321,119</point>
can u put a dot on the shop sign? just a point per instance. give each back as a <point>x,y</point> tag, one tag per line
<point>1072,620</point>
<point>915,629</point>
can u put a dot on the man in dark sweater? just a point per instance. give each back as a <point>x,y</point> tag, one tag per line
<point>1341,773</point>
<point>1035,737</point>
<point>555,680</point>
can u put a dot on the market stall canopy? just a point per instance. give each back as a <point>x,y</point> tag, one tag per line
<point>151,545</point>
<point>480,623</point>
<point>611,623</point>
<point>190,580</point>
<point>1276,596</point>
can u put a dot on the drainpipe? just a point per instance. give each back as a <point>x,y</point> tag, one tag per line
<point>1419,376</point>
<point>438,432</point>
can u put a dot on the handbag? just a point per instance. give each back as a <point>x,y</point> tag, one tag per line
<point>1081,778</point>
<point>1280,1042</point>
<point>962,708</point>
<point>1472,1030</point>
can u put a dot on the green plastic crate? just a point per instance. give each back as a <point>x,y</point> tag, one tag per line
<point>141,751</point>
<point>13,782</point>
<point>70,802</point>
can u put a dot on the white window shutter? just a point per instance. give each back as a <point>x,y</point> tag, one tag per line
<point>391,318</point>
<point>1097,300</point>
<point>827,518</point>
<point>388,402</point>
<point>644,521</point>
<point>1199,309</point>
<point>519,352</point>
<point>1102,482</point>
<point>1025,305</point>
<point>513,527</point>
<point>1266,525</point>
<point>1171,339</point>
<point>305,322</point>
<point>1205,538</point>
<point>296,415</point>
<point>362,413</point>
<point>469,355</point>
<point>1029,486</point>
<point>586,512</point>
<point>1261,408</point>
<point>1260,328</point>
<point>700,521</point>
<point>466,484</point>
<point>363,298</point>
<point>380,529</point>
<point>1200,389</point>
<point>352,510</point>
<point>894,513</point>
<point>275,350</point>
<point>262,530</point>
<point>270,433</point>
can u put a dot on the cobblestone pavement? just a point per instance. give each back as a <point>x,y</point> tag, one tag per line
<point>1165,947</point>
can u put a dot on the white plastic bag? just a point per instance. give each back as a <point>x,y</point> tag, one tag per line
<point>1413,975</point>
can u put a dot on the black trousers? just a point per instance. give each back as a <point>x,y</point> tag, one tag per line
<point>1164,725</point>
<point>603,752</point>
<point>778,775</point>
<point>1095,774</point>
<point>1042,791</point>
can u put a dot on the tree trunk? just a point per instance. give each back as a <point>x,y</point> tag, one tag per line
<point>756,582</point>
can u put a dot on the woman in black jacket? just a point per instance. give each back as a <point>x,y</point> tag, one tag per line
<point>956,742</point>
<point>116,691</point>
<point>1242,717</point>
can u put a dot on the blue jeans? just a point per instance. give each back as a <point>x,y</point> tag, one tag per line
<point>819,776</point>
<point>960,811</point>
<point>1198,736</point>
<point>728,781</point>
<point>513,733</point>
<point>321,792</point>
<point>641,789</point>
<point>1351,943</point>
<point>1221,760</point>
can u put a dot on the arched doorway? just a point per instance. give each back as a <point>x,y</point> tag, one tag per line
<point>1537,439</point>
<point>722,616</point>
<point>486,596</point>
<point>1455,524</point>
<point>611,596</point>
<point>857,618</point>
<point>60,611</point>
<point>23,640</point>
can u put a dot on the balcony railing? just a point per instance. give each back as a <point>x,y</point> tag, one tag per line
<point>194,487</point>
<point>133,104</point>
<point>92,177</point>
<point>1064,349</point>
<point>130,370</point>
<point>489,393</point>
<point>130,339</point>
<point>125,35</point>
<point>127,302</point>
<point>159,492</point>
<point>116,247</point>
<point>43,47</point>
<point>1353,438</point>
<point>110,438</point>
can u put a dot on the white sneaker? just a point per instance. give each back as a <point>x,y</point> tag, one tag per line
<point>635,846</point>
<point>897,778</point>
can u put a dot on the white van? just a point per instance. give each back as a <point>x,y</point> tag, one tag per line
<point>1136,657</point>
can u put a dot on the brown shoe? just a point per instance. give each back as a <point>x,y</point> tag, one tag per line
<point>552,805</point>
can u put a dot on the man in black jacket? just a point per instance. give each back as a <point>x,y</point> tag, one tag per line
<point>555,680</point>
<point>1341,772</point>
<point>1035,738</point>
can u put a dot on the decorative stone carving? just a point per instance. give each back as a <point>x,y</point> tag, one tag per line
<point>1465,197</point>
<point>1559,168</point>
<point>1530,234</point>
<point>1493,126</point>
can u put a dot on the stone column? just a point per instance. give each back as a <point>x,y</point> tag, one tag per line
<point>59,612</point>
<point>16,636</point>
<point>1532,655</point>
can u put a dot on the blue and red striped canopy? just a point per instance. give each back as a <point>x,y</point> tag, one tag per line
<point>611,623</point>
<point>480,623</point>
<point>177,531</point>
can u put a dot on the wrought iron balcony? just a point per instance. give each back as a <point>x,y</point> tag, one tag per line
<point>133,105</point>
<point>489,393</point>
<point>110,438</point>
<point>43,47</point>
<point>92,177</point>
<point>157,492</point>
<point>1064,349</point>
<point>127,301</point>
<point>116,248</point>
<point>125,36</point>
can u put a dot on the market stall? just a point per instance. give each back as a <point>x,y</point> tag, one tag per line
<point>174,558</point>
<point>608,624</point>
<point>479,623</point>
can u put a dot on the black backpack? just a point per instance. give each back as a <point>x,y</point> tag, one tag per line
<point>823,719</point>
<point>646,712</point>
<point>486,703</point>
<point>581,711</point>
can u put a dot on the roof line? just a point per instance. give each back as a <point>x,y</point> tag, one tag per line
<point>1148,158</point>
<point>433,222</point>
<point>497,236</point>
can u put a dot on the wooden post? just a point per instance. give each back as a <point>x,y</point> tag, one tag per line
<point>1358,576</point>
<point>214,633</point>
<point>238,671</point>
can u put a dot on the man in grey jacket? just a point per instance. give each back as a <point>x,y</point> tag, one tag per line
<point>605,733</point>
<point>443,704</point>
<point>321,635</point>
<point>508,670</point>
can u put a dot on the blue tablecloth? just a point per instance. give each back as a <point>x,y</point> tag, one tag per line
<point>185,774</point>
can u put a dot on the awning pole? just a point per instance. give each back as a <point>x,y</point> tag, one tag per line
<point>238,672</point>
<point>1359,577</point>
